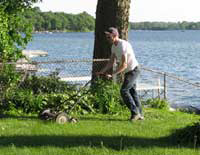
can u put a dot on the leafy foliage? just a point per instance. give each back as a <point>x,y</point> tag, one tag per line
<point>15,32</point>
<point>49,84</point>
<point>38,93</point>
<point>107,96</point>
<point>9,77</point>
<point>9,81</point>
<point>26,101</point>
<point>157,103</point>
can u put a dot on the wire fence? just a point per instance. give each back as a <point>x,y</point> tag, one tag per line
<point>151,84</point>
<point>180,92</point>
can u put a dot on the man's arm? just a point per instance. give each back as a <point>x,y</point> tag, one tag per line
<point>109,64</point>
<point>122,67</point>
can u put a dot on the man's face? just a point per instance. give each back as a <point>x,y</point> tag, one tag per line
<point>110,38</point>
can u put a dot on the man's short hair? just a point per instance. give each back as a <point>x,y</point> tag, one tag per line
<point>112,31</point>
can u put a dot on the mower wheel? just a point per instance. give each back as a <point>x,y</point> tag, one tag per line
<point>62,118</point>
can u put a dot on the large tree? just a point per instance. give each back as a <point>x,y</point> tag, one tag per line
<point>109,13</point>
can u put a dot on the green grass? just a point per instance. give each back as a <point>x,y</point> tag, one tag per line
<point>96,134</point>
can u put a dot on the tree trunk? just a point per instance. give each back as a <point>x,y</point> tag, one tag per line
<point>109,13</point>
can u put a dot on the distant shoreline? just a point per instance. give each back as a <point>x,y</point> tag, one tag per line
<point>55,31</point>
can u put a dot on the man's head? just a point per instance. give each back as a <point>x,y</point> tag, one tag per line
<point>112,31</point>
<point>111,34</point>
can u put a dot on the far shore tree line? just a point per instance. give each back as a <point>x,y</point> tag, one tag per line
<point>165,25</point>
<point>59,21</point>
<point>83,22</point>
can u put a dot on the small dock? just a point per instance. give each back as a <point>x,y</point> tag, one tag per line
<point>34,53</point>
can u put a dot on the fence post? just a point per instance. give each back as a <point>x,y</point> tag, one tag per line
<point>165,86</point>
<point>159,88</point>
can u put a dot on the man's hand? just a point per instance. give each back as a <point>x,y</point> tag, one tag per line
<point>102,74</point>
<point>109,76</point>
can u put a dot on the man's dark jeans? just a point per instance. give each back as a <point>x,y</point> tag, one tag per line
<point>129,93</point>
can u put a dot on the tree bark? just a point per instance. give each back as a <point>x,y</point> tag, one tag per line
<point>109,13</point>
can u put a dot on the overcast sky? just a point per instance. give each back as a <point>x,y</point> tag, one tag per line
<point>141,10</point>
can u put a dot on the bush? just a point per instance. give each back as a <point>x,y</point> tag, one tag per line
<point>107,97</point>
<point>48,84</point>
<point>157,103</point>
<point>28,102</point>
<point>39,93</point>
<point>9,81</point>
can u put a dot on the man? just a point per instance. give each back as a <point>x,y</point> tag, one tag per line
<point>123,54</point>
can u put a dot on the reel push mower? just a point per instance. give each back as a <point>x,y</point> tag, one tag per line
<point>62,117</point>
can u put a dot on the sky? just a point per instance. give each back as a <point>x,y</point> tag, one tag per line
<point>140,10</point>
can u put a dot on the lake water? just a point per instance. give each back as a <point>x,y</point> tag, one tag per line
<point>174,52</point>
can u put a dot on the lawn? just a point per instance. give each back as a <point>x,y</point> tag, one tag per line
<point>96,134</point>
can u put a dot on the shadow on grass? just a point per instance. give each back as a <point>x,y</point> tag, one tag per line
<point>114,142</point>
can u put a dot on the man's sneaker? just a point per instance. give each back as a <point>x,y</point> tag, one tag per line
<point>134,117</point>
<point>141,117</point>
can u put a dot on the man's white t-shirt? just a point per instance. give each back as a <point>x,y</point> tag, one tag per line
<point>124,47</point>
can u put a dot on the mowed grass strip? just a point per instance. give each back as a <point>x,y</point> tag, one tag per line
<point>96,134</point>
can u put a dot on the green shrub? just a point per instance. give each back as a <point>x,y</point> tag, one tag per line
<point>48,84</point>
<point>9,78</point>
<point>39,93</point>
<point>28,102</point>
<point>9,81</point>
<point>107,96</point>
<point>157,103</point>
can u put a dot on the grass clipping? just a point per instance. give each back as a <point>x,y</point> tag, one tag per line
<point>189,135</point>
